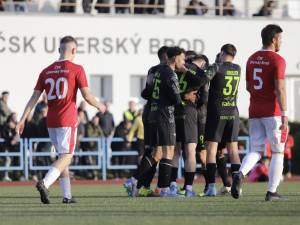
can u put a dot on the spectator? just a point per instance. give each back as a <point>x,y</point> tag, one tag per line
<point>80,135</point>
<point>10,145</point>
<point>2,4</point>
<point>21,7</point>
<point>138,127</point>
<point>288,153</point>
<point>122,10</point>
<point>70,6</point>
<point>82,107</point>
<point>37,115</point>
<point>266,9</point>
<point>121,132</point>
<point>156,10</point>
<point>106,120</point>
<point>131,113</point>
<point>199,8</point>
<point>230,11</point>
<point>4,110</point>
<point>87,5</point>
<point>102,9</point>
<point>43,146</point>
<point>139,10</point>
<point>260,173</point>
<point>31,128</point>
<point>93,129</point>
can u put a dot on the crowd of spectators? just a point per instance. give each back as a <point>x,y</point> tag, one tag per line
<point>195,7</point>
<point>100,125</point>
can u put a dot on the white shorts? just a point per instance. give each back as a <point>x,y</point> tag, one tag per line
<point>63,139</point>
<point>268,127</point>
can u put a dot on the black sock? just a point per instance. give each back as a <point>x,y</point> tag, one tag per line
<point>184,185</point>
<point>234,168</point>
<point>222,170</point>
<point>189,177</point>
<point>174,172</point>
<point>165,168</point>
<point>141,180</point>
<point>205,178</point>
<point>149,176</point>
<point>146,163</point>
<point>211,173</point>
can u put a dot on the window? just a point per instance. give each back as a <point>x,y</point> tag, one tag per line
<point>137,84</point>
<point>101,87</point>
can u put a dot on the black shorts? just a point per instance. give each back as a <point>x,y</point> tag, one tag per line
<point>162,134</point>
<point>222,128</point>
<point>201,132</point>
<point>146,132</point>
<point>186,129</point>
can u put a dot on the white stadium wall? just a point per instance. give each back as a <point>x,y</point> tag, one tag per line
<point>118,48</point>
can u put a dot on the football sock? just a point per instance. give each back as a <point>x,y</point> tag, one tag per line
<point>141,179</point>
<point>174,172</point>
<point>249,162</point>
<point>146,163</point>
<point>51,176</point>
<point>222,171</point>
<point>66,187</point>
<point>211,172</point>
<point>165,168</point>
<point>149,176</point>
<point>275,171</point>
<point>234,168</point>
<point>204,175</point>
<point>189,178</point>
<point>189,187</point>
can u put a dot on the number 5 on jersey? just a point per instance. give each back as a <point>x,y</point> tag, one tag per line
<point>155,93</point>
<point>51,81</point>
<point>258,78</point>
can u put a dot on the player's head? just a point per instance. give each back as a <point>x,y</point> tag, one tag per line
<point>68,47</point>
<point>201,61</point>
<point>189,55</point>
<point>228,51</point>
<point>5,95</point>
<point>271,35</point>
<point>162,54</point>
<point>217,60</point>
<point>176,55</point>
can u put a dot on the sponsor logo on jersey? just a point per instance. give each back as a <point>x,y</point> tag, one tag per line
<point>228,104</point>
<point>227,117</point>
<point>232,73</point>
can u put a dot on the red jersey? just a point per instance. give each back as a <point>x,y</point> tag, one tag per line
<point>61,81</point>
<point>263,68</point>
<point>288,147</point>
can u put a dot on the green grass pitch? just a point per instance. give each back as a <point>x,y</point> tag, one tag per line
<point>108,204</point>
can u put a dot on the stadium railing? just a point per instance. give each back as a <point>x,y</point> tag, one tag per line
<point>103,154</point>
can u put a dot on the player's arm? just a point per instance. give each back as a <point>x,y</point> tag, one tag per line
<point>173,87</point>
<point>281,98</point>
<point>31,103</point>
<point>89,98</point>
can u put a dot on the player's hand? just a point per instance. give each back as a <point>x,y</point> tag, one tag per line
<point>19,127</point>
<point>150,79</point>
<point>183,69</point>
<point>284,120</point>
<point>101,108</point>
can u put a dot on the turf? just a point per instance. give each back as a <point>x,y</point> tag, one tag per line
<point>108,204</point>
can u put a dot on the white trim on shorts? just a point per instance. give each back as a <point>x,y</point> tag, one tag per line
<point>268,127</point>
<point>63,139</point>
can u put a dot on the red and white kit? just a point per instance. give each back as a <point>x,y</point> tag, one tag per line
<point>61,80</point>
<point>263,68</point>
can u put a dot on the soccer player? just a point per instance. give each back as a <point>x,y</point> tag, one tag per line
<point>267,112</point>
<point>61,80</point>
<point>222,113</point>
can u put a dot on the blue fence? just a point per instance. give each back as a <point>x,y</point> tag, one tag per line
<point>103,153</point>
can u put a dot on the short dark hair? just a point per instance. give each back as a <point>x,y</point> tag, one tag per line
<point>162,51</point>
<point>270,32</point>
<point>5,93</point>
<point>175,51</point>
<point>190,52</point>
<point>229,49</point>
<point>68,39</point>
<point>202,57</point>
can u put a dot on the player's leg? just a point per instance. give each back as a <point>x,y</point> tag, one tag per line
<point>277,140</point>
<point>222,170</point>
<point>175,165</point>
<point>65,185</point>
<point>258,140</point>
<point>190,168</point>
<point>211,148</point>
